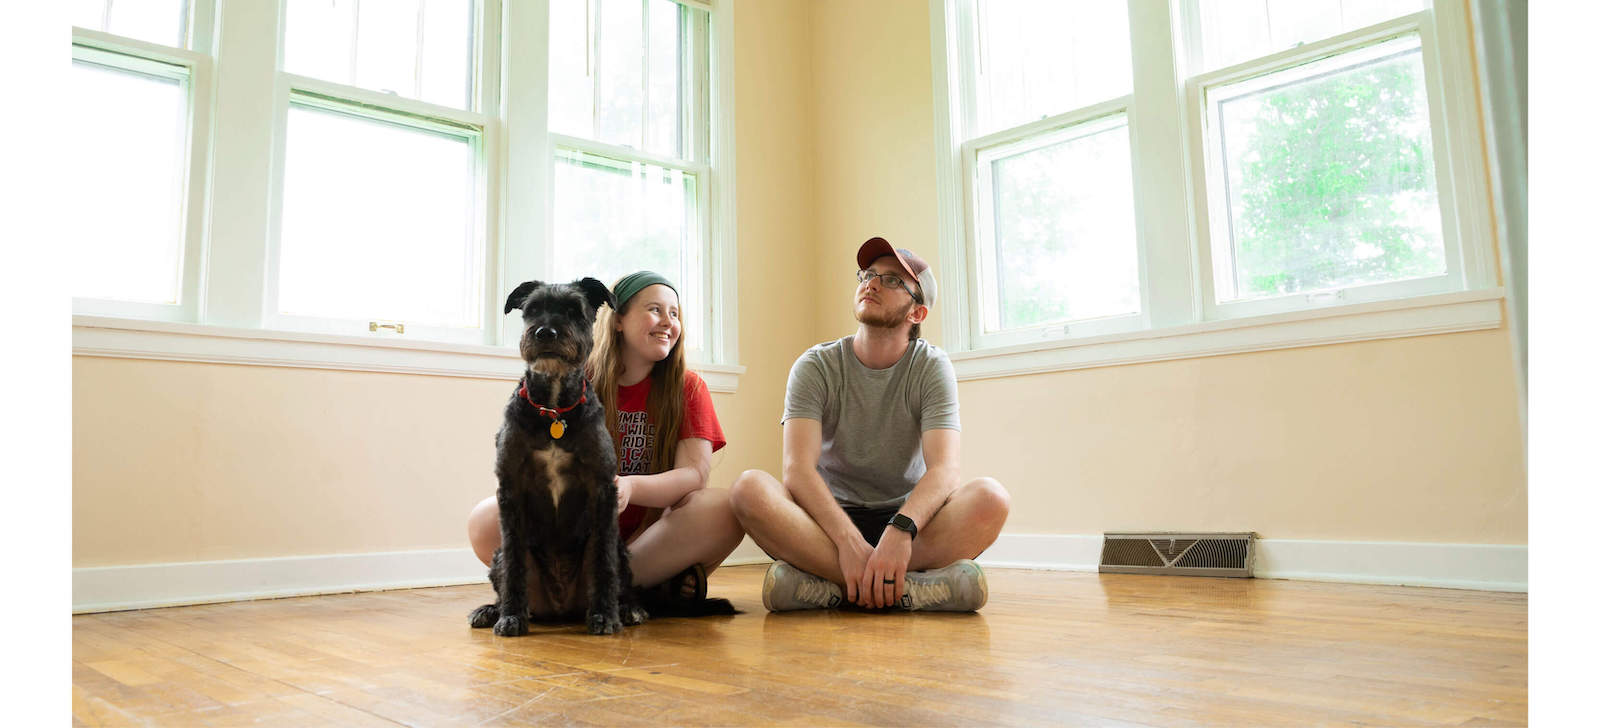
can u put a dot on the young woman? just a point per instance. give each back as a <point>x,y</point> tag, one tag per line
<point>660,416</point>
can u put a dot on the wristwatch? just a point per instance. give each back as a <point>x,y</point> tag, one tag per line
<point>904,523</point>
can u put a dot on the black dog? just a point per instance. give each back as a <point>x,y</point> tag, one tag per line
<point>560,555</point>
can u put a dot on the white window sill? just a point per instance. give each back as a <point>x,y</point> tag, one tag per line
<point>1420,316</point>
<point>122,338</point>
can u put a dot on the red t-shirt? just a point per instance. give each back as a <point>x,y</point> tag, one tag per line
<point>639,434</point>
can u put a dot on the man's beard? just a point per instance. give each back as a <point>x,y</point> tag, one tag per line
<point>883,320</point>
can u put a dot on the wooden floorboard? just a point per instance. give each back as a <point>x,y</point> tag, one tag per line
<point>1051,648</point>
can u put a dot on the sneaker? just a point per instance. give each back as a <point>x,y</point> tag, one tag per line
<point>959,587</point>
<point>787,588</point>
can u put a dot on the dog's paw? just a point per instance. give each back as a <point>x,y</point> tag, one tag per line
<point>633,614</point>
<point>603,623</point>
<point>511,626</point>
<point>484,616</point>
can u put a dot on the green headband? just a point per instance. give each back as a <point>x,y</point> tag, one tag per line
<point>635,282</point>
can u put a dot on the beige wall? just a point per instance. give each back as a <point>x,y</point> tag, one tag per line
<point>1400,440</point>
<point>177,462</point>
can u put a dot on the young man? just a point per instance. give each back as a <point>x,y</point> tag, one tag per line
<point>871,509</point>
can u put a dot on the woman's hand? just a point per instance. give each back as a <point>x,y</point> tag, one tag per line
<point>624,491</point>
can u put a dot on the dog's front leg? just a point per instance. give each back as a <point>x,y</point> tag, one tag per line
<point>513,562</point>
<point>604,562</point>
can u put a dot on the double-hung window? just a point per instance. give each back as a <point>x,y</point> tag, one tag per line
<point>138,121</point>
<point>631,146</point>
<point>355,183</point>
<point>1046,92</point>
<point>1326,177</point>
<point>1166,166</point>
<point>384,169</point>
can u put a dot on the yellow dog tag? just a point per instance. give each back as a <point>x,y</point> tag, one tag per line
<point>557,429</point>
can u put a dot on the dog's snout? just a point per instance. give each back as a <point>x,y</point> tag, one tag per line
<point>544,333</point>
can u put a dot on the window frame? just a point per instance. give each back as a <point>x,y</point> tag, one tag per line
<point>980,228</point>
<point>529,202</point>
<point>475,123</point>
<point>1165,117</point>
<point>241,98</point>
<point>1211,209</point>
<point>193,68</point>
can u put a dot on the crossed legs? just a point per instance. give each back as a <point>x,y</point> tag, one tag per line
<point>967,523</point>
<point>699,529</point>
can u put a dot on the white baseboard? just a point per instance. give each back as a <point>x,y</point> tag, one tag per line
<point>114,588</point>
<point>1484,567</point>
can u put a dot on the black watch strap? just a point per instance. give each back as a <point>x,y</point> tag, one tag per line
<point>904,523</point>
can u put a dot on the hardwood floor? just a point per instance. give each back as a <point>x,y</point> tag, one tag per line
<point>1051,648</point>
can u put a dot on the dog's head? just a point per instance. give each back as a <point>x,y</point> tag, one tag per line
<point>558,322</point>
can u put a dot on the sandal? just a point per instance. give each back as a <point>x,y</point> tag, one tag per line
<point>684,595</point>
<point>688,587</point>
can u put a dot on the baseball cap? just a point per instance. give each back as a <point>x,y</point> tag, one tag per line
<point>876,248</point>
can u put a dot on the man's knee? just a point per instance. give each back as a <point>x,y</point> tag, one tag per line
<point>751,492</point>
<point>991,502</point>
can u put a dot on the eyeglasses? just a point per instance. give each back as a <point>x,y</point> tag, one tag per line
<point>889,279</point>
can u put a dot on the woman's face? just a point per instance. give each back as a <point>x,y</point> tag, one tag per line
<point>650,327</point>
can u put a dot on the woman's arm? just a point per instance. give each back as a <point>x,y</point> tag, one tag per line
<point>691,471</point>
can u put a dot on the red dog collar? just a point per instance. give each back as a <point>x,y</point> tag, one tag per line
<point>559,426</point>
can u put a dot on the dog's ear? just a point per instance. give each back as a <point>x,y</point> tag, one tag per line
<point>519,296</point>
<point>597,293</point>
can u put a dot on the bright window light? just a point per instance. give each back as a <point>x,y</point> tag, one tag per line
<point>379,222</point>
<point>418,49</point>
<point>128,133</point>
<point>1039,58</point>
<point>615,217</point>
<point>1232,31</point>
<point>1059,237</point>
<point>156,21</point>
<point>1328,176</point>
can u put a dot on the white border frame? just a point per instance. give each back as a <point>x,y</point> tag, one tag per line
<point>475,125</point>
<point>194,197</point>
<point>1207,175</point>
<point>1172,216</point>
<point>116,338</point>
<point>1062,128</point>
<point>244,109</point>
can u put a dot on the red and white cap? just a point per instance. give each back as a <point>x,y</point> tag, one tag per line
<point>876,248</point>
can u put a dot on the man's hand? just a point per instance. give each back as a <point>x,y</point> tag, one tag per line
<point>624,491</point>
<point>884,579</point>
<point>853,556</point>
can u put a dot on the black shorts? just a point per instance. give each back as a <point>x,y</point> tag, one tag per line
<point>870,521</point>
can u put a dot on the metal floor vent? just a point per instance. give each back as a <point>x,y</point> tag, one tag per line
<point>1184,554</point>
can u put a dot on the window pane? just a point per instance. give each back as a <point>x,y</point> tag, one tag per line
<point>127,134</point>
<point>1329,175</point>
<point>378,223</point>
<point>420,49</point>
<point>636,57</point>
<point>156,21</point>
<point>1063,245</point>
<point>614,217</point>
<point>1037,58</point>
<point>1233,31</point>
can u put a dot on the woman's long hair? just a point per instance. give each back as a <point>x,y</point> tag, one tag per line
<point>665,403</point>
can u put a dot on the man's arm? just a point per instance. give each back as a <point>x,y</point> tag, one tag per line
<point>802,445</point>
<point>941,452</point>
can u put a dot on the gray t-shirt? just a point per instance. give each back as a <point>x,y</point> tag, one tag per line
<point>872,419</point>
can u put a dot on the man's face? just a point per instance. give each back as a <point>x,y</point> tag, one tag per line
<point>881,305</point>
